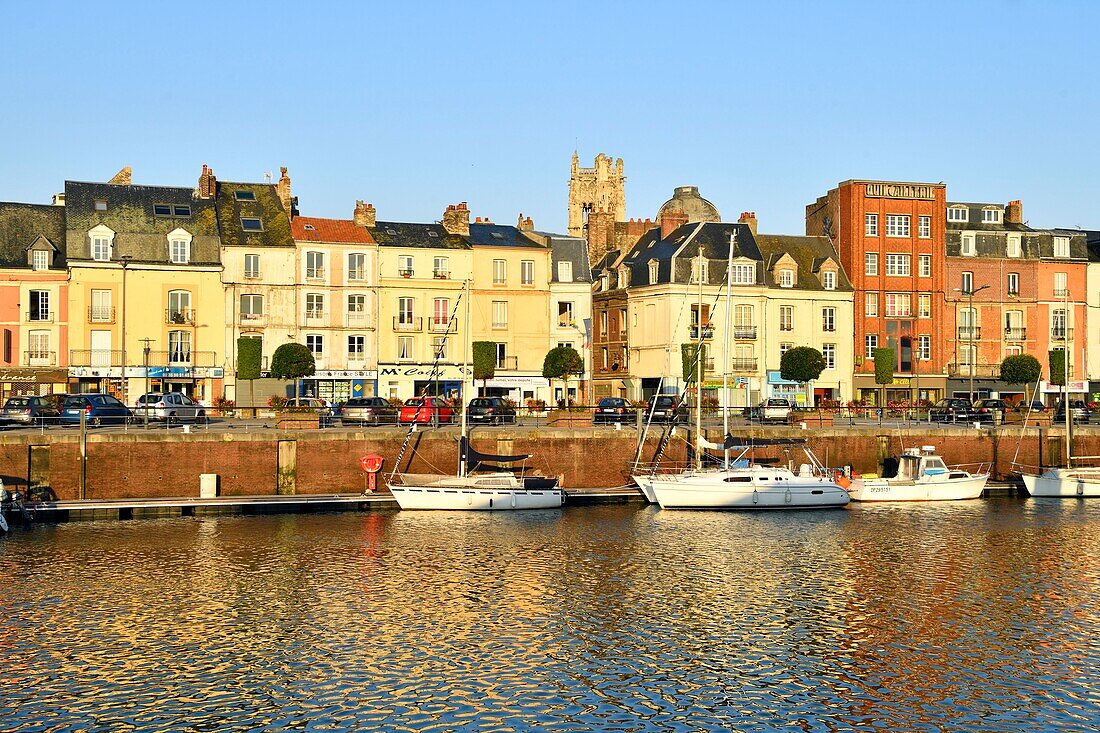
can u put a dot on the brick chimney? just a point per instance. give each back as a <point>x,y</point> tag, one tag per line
<point>525,225</point>
<point>601,232</point>
<point>207,183</point>
<point>364,215</point>
<point>1014,212</point>
<point>456,219</point>
<point>671,221</point>
<point>283,189</point>
<point>122,178</point>
<point>748,217</point>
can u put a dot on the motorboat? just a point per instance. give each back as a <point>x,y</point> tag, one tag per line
<point>1082,482</point>
<point>922,476</point>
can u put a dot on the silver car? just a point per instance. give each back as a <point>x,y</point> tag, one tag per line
<point>169,407</point>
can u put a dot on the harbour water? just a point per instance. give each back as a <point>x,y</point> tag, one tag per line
<point>980,615</point>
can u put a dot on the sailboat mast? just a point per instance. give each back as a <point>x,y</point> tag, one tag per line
<point>1067,355</point>
<point>464,396</point>
<point>699,366</point>
<point>725,352</point>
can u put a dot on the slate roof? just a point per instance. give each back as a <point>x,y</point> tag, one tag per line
<point>428,236</point>
<point>267,207</point>
<point>991,240</point>
<point>974,219</point>
<point>1092,241</point>
<point>139,233</point>
<point>22,224</point>
<point>564,248</point>
<point>810,253</point>
<point>315,229</point>
<point>500,235</point>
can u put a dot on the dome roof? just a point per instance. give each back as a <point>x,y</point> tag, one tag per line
<point>688,200</point>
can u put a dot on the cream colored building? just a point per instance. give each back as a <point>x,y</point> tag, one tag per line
<point>787,291</point>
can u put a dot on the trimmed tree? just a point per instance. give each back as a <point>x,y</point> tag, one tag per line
<point>1022,369</point>
<point>249,360</point>
<point>562,362</point>
<point>688,353</point>
<point>485,361</point>
<point>884,371</point>
<point>801,364</point>
<point>292,361</point>
<point>1057,361</point>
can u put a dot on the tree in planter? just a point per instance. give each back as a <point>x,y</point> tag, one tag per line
<point>801,364</point>
<point>1057,362</point>
<point>485,361</point>
<point>692,355</point>
<point>292,361</point>
<point>249,360</point>
<point>562,362</point>
<point>1022,369</point>
<point>884,372</point>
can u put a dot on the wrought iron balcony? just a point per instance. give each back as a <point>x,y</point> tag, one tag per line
<point>315,273</point>
<point>441,274</point>
<point>180,316</point>
<point>707,331</point>
<point>442,326</point>
<point>743,365</point>
<point>315,314</point>
<point>101,314</point>
<point>508,362</point>
<point>976,370</point>
<point>744,332</point>
<point>180,356</point>
<point>40,315</point>
<point>40,358</point>
<point>251,318</point>
<point>1015,334</point>
<point>1061,292</point>
<point>408,324</point>
<point>357,319</point>
<point>1061,334</point>
<point>969,333</point>
<point>95,357</point>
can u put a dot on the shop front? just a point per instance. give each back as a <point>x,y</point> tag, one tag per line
<point>1052,394</point>
<point>520,388</point>
<point>339,386</point>
<point>199,383</point>
<point>402,381</point>
<point>786,389</point>
<point>901,390</point>
<point>31,381</point>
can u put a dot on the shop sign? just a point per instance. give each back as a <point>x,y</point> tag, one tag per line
<point>518,381</point>
<point>1074,386</point>
<point>95,372</point>
<point>885,190</point>
<point>776,377</point>
<point>344,374</point>
<point>901,382</point>
<point>36,376</point>
<point>424,371</point>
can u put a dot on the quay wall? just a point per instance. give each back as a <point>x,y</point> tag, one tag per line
<point>270,462</point>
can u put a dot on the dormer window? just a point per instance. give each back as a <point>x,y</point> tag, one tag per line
<point>967,249</point>
<point>744,274</point>
<point>179,247</point>
<point>699,270</point>
<point>603,282</point>
<point>40,259</point>
<point>624,277</point>
<point>1014,245</point>
<point>1061,246</point>
<point>957,213</point>
<point>828,279</point>
<point>991,215</point>
<point>653,273</point>
<point>100,243</point>
<point>786,278</point>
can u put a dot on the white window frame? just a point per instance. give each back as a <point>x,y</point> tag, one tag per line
<point>252,266</point>
<point>441,313</point>
<point>828,279</point>
<point>179,246</point>
<point>958,214</point>
<point>252,313</point>
<point>870,305</point>
<point>828,319</point>
<point>829,352</point>
<point>526,272</point>
<point>653,272</point>
<point>924,262</point>
<point>1014,245</point>
<point>315,342</point>
<point>40,259</point>
<point>565,271</point>
<point>924,227</point>
<point>1061,246</point>
<point>405,267</point>
<point>1060,287</point>
<point>40,302</point>
<point>500,314</point>
<point>406,311</point>
<point>870,225</point>
<point>966,282</point>
<point>440,345</point>
<point>743,274</point>
<point>786,318</point>
<point>924,305</point>
<point>315,265</point>
<point>967,245</point>
<point>1013,283</point>
<point>406,349</point>
<point>357,347</point>
<point>991,215</point>
<point>101,243</point>
<point>897,225</point>
<point>500,272</point>
<point>897,265</point>
<point>441,267</point>
<point>357,266</point>
<point>317,309</point>
<point>870,264</point>
<point>898,305</point>
<point>924,347</point>
<point>786,278</point>
<point>870,343</point>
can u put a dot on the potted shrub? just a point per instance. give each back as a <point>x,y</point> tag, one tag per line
<point>536,407</point>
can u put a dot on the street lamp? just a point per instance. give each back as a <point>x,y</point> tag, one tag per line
<point>973,354</point>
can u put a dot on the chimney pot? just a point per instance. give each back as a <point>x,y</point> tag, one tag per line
<point>456,219</point>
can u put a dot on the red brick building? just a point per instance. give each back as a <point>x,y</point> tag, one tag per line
<point>890,236</point>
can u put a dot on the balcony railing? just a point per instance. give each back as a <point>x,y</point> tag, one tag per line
<point>405,272</point>
<point>508,362</point>
<point>251,274</point>
<point>442,326</point>
<point>708,365</point>
<point>95,357</point>
<point>315,314</point>
<point>357,275</point>
<point>744,332</point>
<point>976,370</point>
<point>1015,334</point>
<point>101,314</point>
<point>41,315</point>
<point>315,273</point>
<point>251,318</point>
<point>707,331</point>
<point>40,358</point>
<point>1061,334</point>
<point>1061,292</point>
<point>566,322</point>
<point>441,274</point>
<point>407,324</point>
<point>969,333</point>
<point>357,319</point>
<point>743,365</point>
<point>175,357</point>
<point>180,316</point>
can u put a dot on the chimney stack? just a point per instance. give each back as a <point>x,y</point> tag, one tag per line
<point>525,225</point>
<point>283,189</point>
<point>1014,212</point>
<point>122,178</point>
<point>456,219</point>
<point>749,218</point>
<point>364,215</point>
<point>207,183</point>
<point>671,221</point>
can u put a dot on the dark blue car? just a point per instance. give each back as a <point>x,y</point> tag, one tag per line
<point>99,409</point>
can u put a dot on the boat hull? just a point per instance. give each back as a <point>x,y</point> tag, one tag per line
<point>645,483</point>
<point>950,490</point>
<point>1064,483</point>
<point>711,491</point>
<point>475,499</point>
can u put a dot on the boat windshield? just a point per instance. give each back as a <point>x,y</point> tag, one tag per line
<point>934,465</point>
<point>907,470</point>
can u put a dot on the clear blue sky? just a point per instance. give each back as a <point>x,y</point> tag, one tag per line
<point>414,106</point>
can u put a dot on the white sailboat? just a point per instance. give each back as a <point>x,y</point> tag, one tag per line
<point>741,483</point>
<point>467,489</point>
<point>922,476</point>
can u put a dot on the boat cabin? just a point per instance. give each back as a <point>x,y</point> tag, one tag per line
<point>923,463</point>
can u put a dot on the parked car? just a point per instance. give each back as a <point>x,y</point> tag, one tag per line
<point>667,409</point>
<point>492,410</point>
<point>1079,412</point>
<point>612,410</point>
<point>773,409</point>
<point>30,410</point>
<point>990,410</point>
<point>1036,406</point>
<point>426,410</point>
<point>99,409</point>
<point>327,413</point>
<point>168,407</point>
<point>952,409</point>
<point>368,411</point>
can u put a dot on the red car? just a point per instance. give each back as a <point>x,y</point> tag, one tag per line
<point>423,410</point>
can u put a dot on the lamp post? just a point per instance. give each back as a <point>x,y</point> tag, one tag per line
<point>145,360</point>
<point>125,260</point>
<point>973,355</point>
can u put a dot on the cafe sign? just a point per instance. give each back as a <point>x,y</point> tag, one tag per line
<point>884,190</point>
<point>34,376</point>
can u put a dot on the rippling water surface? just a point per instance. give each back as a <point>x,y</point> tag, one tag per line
<point>972,616</point>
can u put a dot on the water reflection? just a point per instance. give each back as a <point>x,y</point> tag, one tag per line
<point>975,615</point>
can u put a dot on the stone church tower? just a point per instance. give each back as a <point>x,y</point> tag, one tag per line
<point>598,189</point>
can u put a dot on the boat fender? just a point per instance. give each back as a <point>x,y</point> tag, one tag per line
<point>842,481</point>
<point>755,496</point>
<point>787,496</point>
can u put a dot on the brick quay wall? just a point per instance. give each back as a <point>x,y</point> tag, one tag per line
<point>271,462</point>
